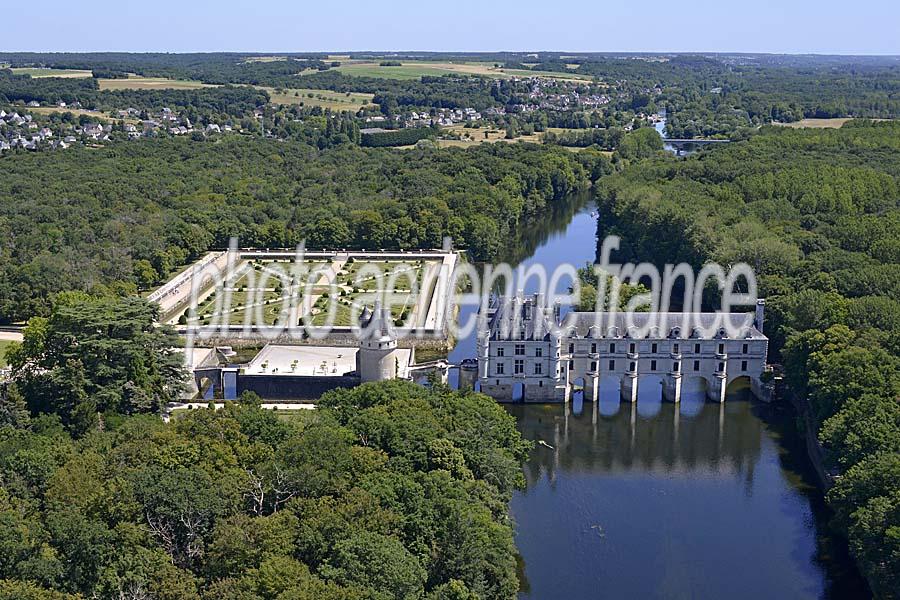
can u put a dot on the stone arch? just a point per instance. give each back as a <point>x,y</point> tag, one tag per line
<point>649,395</point>
<point>738,385</point>
<point>609,399</point>
<point>693,395</point>
<point>578,395</point>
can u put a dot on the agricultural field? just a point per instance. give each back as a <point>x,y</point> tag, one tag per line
<point>336,101</point>
<point>39,72</point>
<point>150,83</point>
<point>259,297</point>
<point>820,123</point>
<point>815,123</point>
<point>416,69</point>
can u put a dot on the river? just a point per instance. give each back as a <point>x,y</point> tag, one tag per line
<point>657,500</point>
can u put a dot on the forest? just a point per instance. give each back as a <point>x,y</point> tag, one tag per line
<point>816,213</point>
<point>125,216</point>
<point>207,104</point>
<point>385,491</point>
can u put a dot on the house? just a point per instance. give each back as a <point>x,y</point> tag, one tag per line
<point>129,128</point>
<point>45,132</point>
<point>4,145</point>
<point>70,139</point>
<point>93,130</point>
<point>213,128</point>
<point>34,104</point>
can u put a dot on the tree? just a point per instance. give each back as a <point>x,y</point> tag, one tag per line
<point>108,352</point>
<point>864,426</point>
<point>378,562</point>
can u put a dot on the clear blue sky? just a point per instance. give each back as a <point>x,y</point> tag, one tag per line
<point>790,26</point>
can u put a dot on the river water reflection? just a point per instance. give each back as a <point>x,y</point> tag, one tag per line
<point>656,500</point>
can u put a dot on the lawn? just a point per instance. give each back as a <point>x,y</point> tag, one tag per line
<point>150,83</point>
<point>38,72</point>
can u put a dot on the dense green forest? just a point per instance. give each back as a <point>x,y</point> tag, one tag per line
<point>817,214</point>
<point>127,214</point>
<point>208,67</point>
<point>385,491</point>
<point>206,104</point>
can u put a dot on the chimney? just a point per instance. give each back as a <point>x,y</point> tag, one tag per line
<point>760,313</point>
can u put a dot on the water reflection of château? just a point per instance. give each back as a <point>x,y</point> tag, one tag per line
<point>720,440</point>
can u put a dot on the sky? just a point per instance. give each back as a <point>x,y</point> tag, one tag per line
<point>775,26</point>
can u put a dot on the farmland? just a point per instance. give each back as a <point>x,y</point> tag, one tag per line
<point>150,83</point>
<point>417,69</point>
<point>39,72</point>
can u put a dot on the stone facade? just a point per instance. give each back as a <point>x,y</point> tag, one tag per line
<point>523,351</point>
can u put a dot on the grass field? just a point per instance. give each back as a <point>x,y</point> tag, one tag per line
<point>821,123</point>
<point>325,98</point>
<point>41,72</point>
<point>150,83</point>
<point>416,69</point>
<point>47,110</point>
<point>815,123</point>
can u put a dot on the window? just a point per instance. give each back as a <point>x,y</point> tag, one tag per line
<point>612,365</point>
<point>593,365</point>
<point>675,348</point>
<point>721,348</point>
<point>520,349</point>
<point>744,349</point>
<point>743,365</point>
<point>652,365</point>
<point>653,348</point>
<point>593,348</point>
<point>538,351</point>
<point>519,367</point>
<point>499,350</point>
<point>721,367</point>
<point>612,348</point>
<point>696,348</point>
<point>538,368</point>
<point>631,366</point>
<point>696,365</point>
<point>631,347</point>
<point>675,367</point>
<point>499,368</point>
<point>571,348</point>
<point>571,365</point>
